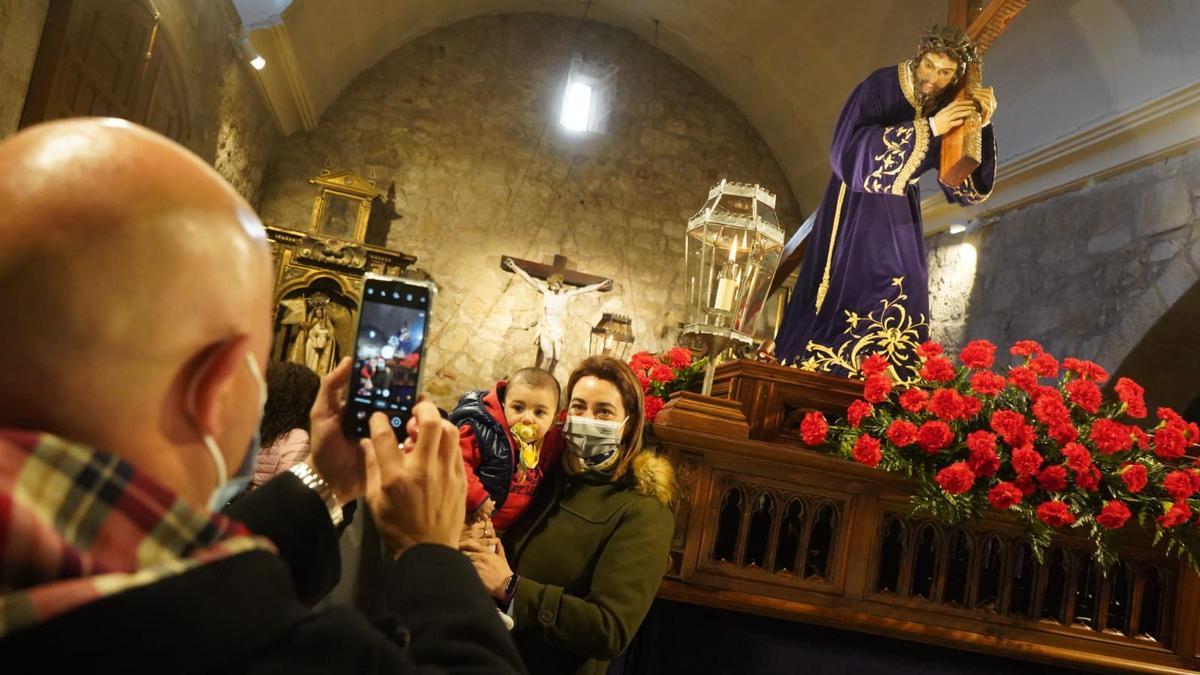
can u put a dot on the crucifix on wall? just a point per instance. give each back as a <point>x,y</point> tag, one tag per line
<point>553,282</point>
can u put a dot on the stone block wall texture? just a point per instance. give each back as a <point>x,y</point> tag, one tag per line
<point>464,121</point>
<point>20,33</point>
<point>1086,273</point>
<point>230,123</point>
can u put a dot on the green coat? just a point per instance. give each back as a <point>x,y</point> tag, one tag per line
<point>591,555</point>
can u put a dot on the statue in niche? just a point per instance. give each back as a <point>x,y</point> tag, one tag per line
<point>316,345</point>
<point>555,295</point>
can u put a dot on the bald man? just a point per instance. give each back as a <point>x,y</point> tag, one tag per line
<point>137,289</point>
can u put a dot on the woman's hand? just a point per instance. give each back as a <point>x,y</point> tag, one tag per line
<point>487,555</point>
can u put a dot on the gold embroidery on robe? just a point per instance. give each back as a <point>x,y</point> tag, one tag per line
<point>891,331</point>
<point>905,147</point>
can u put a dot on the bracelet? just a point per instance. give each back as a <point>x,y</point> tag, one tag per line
<point>313,481</point>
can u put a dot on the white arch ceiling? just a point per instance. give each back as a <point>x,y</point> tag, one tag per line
<point>787,64</point>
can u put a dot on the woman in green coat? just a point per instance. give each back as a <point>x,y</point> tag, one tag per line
<point>585,561</point>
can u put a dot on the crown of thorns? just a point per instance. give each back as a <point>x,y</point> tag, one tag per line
<point>948,40</point>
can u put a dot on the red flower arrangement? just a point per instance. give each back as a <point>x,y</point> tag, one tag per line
<point>1038,439</point>
<point>662,374</point>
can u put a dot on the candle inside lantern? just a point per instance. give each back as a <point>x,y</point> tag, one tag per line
<point>608,344</point>
<point>727,282</point>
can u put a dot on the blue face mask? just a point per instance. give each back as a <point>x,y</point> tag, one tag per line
<point>228,488</point>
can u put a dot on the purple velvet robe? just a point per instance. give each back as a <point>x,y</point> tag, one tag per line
<point>882,144</point>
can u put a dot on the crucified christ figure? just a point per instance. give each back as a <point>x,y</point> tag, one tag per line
<point>554,310</point>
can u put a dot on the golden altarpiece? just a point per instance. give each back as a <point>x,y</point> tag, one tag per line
<point>319,269</point>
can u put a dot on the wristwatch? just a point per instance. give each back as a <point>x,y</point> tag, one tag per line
<point>313,481</point>
<point>510,591</point>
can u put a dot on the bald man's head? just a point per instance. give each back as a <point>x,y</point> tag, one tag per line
<point>126,265</point>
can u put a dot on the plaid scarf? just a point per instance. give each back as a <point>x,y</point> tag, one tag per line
<point>77,525</point>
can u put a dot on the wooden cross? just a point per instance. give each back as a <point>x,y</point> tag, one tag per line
<point>983,21</point>
<point>543,271</point>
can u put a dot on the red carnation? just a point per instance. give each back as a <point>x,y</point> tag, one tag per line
<point>866,450</point>
<point>987,383</point>
<point>653,405</point>
<point>644,381</point>
<point>642,361</point>
<point>1063,432</point>
<point>956,478</point>
<point>902,433</point>
<point>1085,394</point>
<point>1086,370</point>
<point>1177,515</point>
<point>1110,437</point>
<point>873,365</point>
<point>1025,379</point>
<point>934,435</point>
<point>937,369</point>
<point>679,357</point>
<point>1133,396</point>
<point>1113,515</point>
<point>857,411</point>
<point>813,428</point>
<point>981,441</point>
<point>1050,410</point>
<point>913,400</point>
<point>946,404</point>
<point>662,373</point>
<point>1078,457</point>
<point>877,388</point>
<point>1026,461</point>
<point>1140,437</point>
<point>1088,480</point>
<point>971,407</point>
<point>1178,484</point>
<point>1170,416</point>
<point>929,350</point>
<point>984,462</point>
<point>1053,478</point>
<point>1012,427</point>
<point>978,354</point>
<point>1026,485</point>
<point>1025,348</point>
<point>1195,480</point>
<point>1134,476</point>
<point>1045,365</point>
<point>1169,442</point>
<point>1055,513</point>
<point>1004,496</point>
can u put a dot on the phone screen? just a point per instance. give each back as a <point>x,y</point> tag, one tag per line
<point>388,354</point>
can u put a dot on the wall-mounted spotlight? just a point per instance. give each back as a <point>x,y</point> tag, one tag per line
<point>958,228</point>
<point>248,52</point>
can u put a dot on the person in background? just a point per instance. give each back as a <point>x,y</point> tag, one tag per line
<point>291,392</point>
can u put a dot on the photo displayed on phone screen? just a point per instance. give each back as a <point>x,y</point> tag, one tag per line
<point>387,355</point>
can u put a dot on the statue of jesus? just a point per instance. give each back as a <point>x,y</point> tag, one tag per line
<point>554,310</point>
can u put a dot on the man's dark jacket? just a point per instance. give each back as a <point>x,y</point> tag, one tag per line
<point>248,613</point>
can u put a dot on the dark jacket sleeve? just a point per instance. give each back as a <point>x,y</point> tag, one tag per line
<point>628,573</point>
<point>294,518</point>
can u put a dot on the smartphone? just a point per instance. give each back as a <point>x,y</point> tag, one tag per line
<point>389,352</point>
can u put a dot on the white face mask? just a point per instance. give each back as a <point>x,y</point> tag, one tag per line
<point>227,488</point>
<point>594,441</point>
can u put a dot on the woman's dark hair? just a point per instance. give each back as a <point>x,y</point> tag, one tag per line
<point>291,391</point>
<point>632,398</point>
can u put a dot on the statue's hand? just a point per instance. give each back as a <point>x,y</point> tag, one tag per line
<point>607,285</point>
<point>507,263</point>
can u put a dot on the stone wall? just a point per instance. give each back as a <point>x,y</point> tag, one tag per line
<point>1087,273</point>
<point>20,33</point>
<point>463,121</point>
<point>231,125</point>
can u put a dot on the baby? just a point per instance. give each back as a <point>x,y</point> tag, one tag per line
<point>508,439</point>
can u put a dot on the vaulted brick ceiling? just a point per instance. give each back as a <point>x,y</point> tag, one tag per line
<point>787,64</point>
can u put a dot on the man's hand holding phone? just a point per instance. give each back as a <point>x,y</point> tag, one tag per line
<point>337,459</point>
<point>416,491</point>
